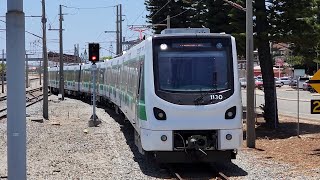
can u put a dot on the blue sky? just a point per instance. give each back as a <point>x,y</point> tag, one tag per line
<point>81,26</point>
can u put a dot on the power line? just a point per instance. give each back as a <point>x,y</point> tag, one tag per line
<point>161,9</point>
<point>25,30</point>
<point>88,8</point>
<point>175,15</point>
<point>138,16</point>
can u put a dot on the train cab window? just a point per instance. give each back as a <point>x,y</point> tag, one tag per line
<point>192,71</point>
<point>186,68</point>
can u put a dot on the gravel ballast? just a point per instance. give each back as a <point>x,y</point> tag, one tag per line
<point>64,147</point>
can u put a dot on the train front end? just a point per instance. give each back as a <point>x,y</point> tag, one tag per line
<point>192,98</point>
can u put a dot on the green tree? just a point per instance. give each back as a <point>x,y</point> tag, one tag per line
<point>180,12</point>
<point>199,12</point>
<point>297,22</point>
<point>262,39</point>
<point>2,67</point>
<point>218,16</point>
<point>238,27</point>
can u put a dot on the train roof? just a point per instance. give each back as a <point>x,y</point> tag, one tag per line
<point>190,35</point>
<point>189,32</point>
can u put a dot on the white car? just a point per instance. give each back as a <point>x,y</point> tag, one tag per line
<point>285,80</point>
<point>277,82</point>
<point>243,82</point>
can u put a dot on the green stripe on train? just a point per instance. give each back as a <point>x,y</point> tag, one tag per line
<point>142,115</point>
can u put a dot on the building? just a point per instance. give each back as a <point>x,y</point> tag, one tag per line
<point>55,57</point>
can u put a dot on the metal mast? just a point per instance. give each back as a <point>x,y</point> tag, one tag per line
<point>45,62</point>
<point>16,91</point>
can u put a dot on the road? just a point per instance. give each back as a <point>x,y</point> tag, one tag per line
<point>287,102</point>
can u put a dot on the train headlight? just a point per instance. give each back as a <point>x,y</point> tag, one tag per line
<point>229,137</point>
<point>159,114</point>
<point>231,113</point>
<point>163,46</point>
<point>164,138</point>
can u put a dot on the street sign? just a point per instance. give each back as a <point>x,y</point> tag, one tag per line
<point>315,106</point>
<point>315,81</point>
<point>298,72</point>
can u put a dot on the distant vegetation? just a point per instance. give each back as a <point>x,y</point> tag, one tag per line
<point>2,67</point>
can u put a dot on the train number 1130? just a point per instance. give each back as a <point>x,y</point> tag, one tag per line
<point>216,97</point>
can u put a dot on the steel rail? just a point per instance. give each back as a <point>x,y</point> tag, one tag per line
<point>29,101</point>
<point>210,173</point>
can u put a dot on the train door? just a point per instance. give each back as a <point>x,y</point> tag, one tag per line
<point>121,83</point>
<point>139,94</point>
<point>118,84</point>
<point>97,79</point>
<point>79,79</point>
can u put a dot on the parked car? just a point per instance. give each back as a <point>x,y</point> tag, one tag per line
<point>259,83</point>
<point>302,80</point>
<point>259,78</point>
<point>243,82</point>
<point>293,83</point>
<point>277,82</point>
<point>285,80</point>
<point>307,87</point>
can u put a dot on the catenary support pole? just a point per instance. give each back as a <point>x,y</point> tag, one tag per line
<point>16,92</point>
<point>117,31</point>
<point>61,56</point>
<point>251,137</point>
<point>120,30</point>
<point>2,72</point>
<point>45,62</point>
<point>298,108</point>
<point>40,70</point>
<point>27,71</point>
<point>168,22</point>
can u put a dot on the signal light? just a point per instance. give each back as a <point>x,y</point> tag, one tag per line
<point>94,52</point>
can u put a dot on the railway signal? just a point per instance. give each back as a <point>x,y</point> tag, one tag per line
<point>94,57</point>
<point>94,52</point>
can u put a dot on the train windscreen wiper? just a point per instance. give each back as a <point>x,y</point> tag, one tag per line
<point>214,89</point>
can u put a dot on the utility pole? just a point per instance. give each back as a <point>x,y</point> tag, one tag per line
<point>61,56</point>
<point>27,71</point>
<point>168,22</point>
<point>117,32</point>
<point>2,72</point>
<point>16,91</point>
<point>120,33</point>
<point>45,62</point>
<point>40,68</point>
<point>250,128</point>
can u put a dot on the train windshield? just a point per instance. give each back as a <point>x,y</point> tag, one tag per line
<point>193,71</point>
<point>186,67</point>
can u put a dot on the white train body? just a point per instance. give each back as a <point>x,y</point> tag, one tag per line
<point>179,91</point>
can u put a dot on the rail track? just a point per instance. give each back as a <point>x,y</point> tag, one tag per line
<point>195,171</point>
<point>31,79</point>
<point>31,98</point>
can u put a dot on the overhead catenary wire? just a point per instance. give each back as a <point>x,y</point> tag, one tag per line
<point>175,15</point>
<point>139,16</point>
<point>25,31</point>
<point>88,8</point>
<point>160,9</point>
<point>229,2</point>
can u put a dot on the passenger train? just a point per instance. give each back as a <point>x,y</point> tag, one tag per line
<point>179,90</point>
